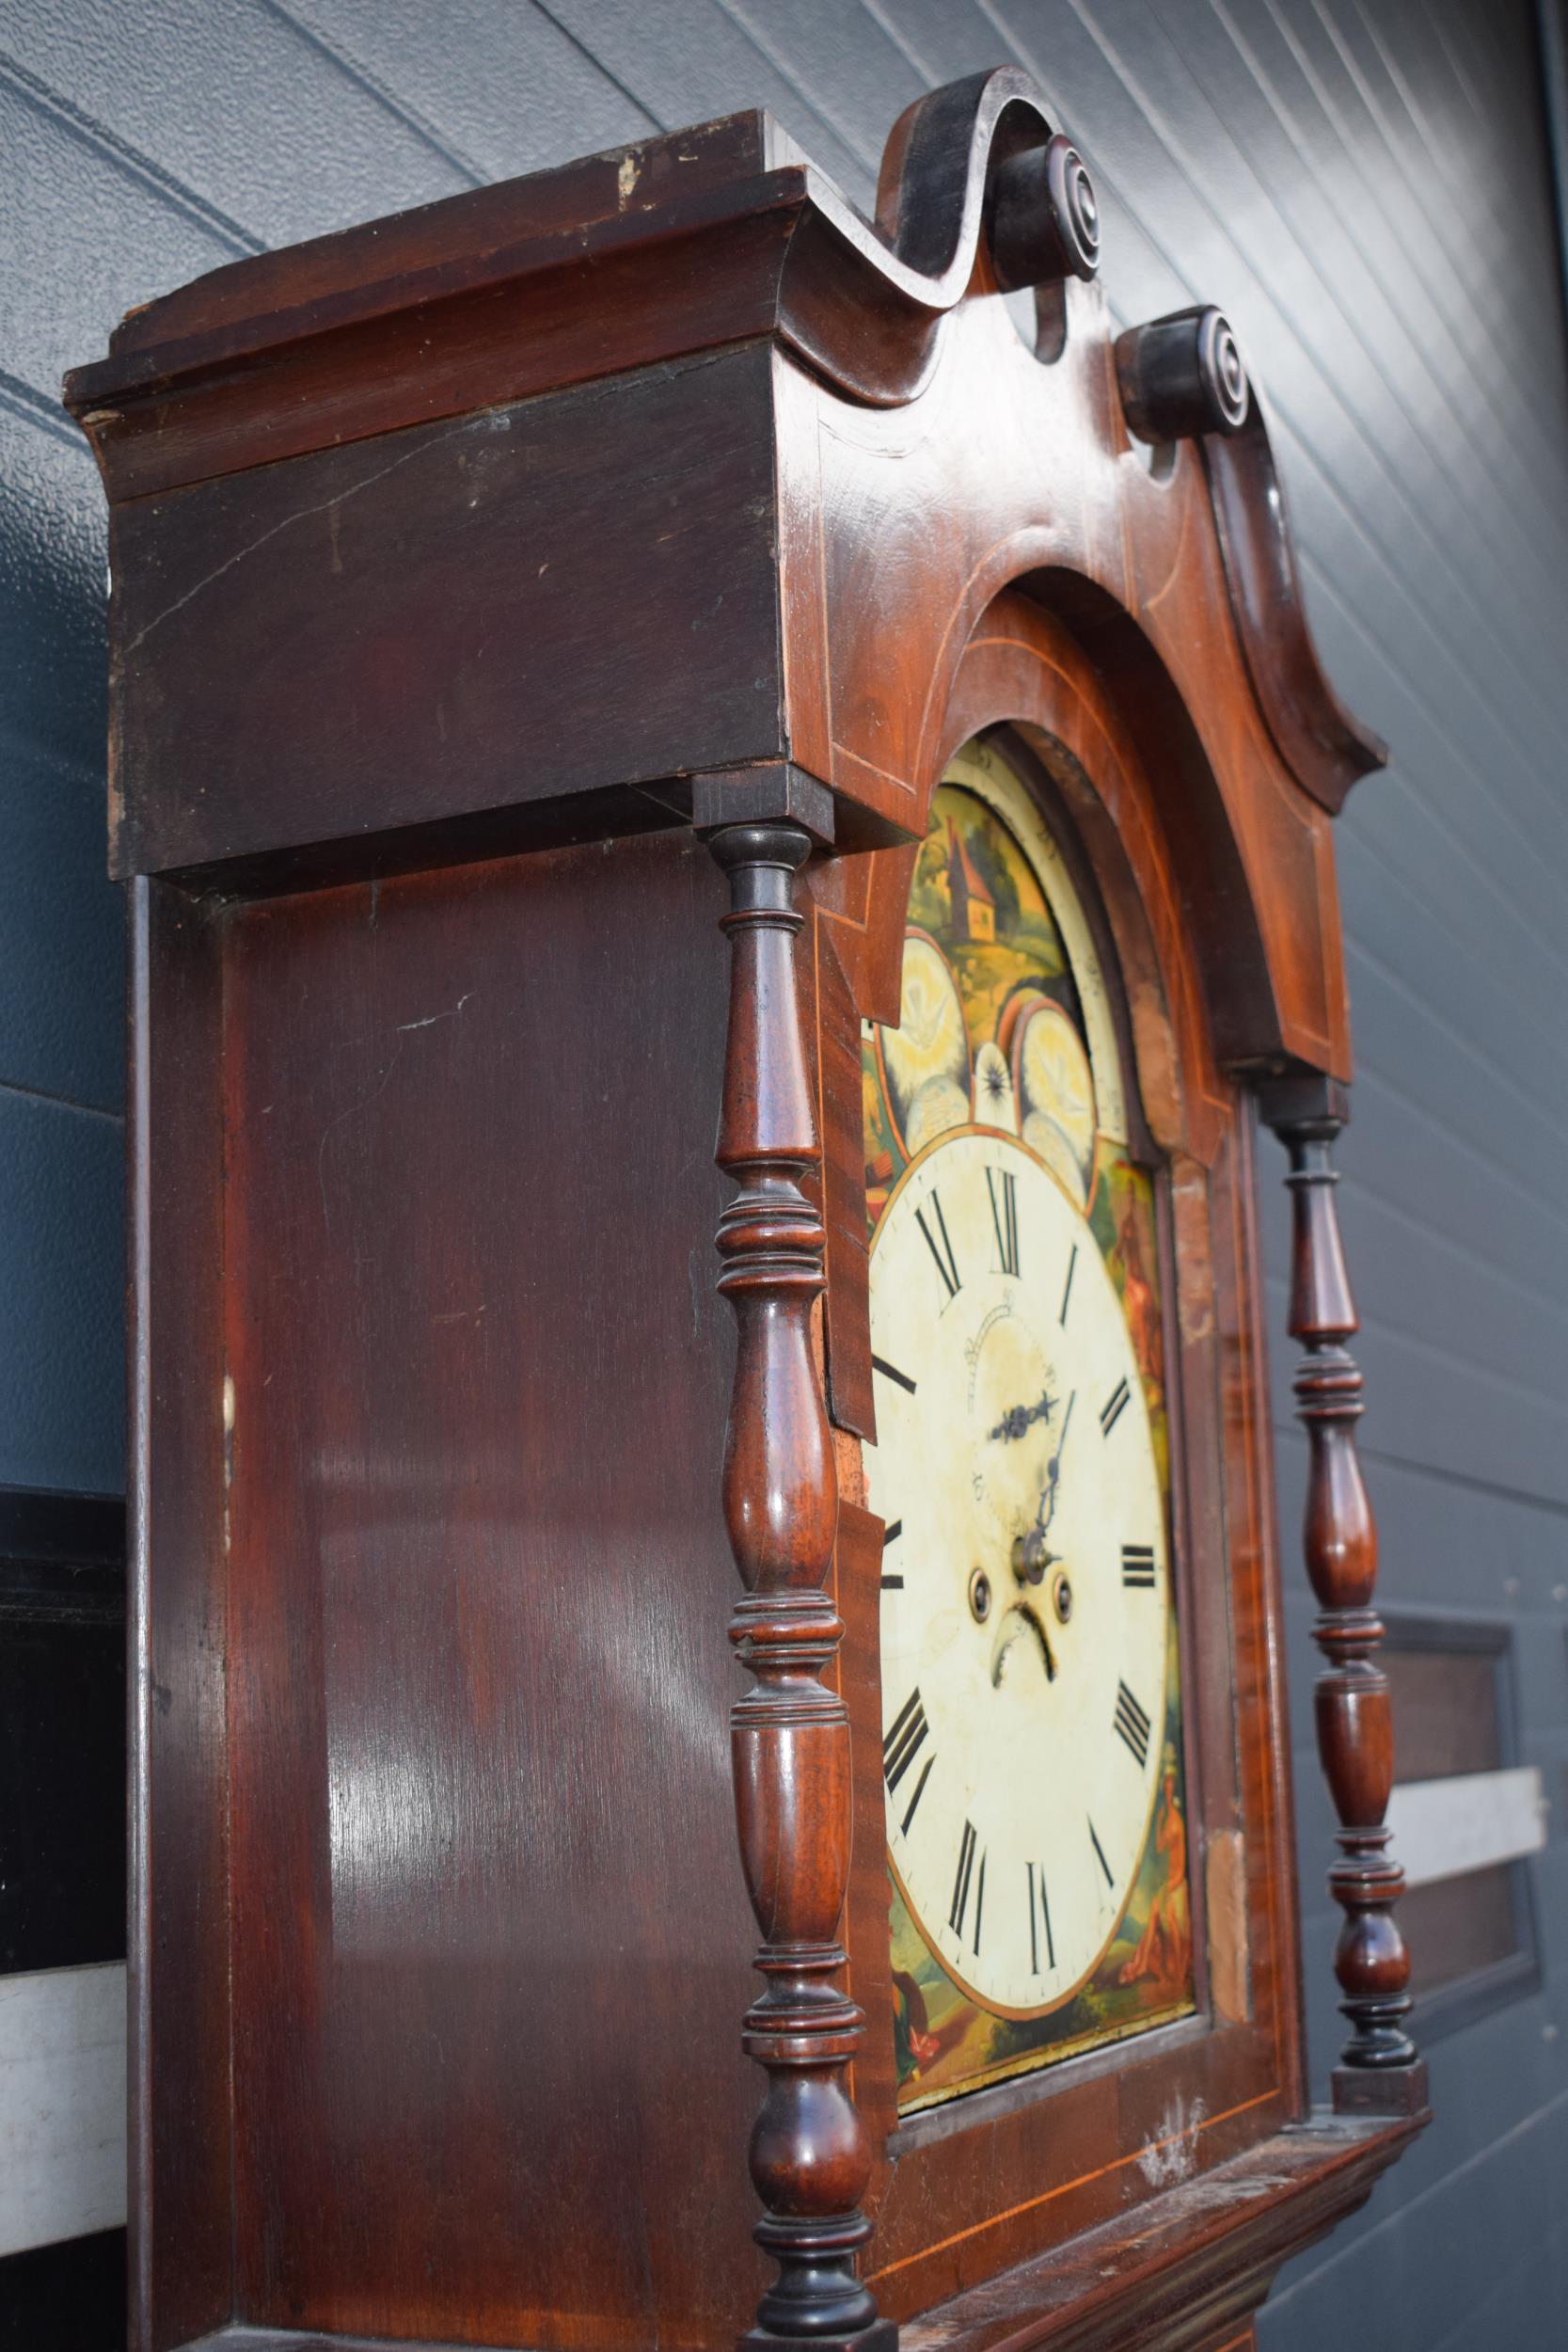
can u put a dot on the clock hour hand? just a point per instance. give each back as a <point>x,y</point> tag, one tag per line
<point>1021,1417</point>
<point>1032,1554</point>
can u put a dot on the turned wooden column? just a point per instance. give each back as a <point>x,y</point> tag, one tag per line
<point>810,2157</point>
<point>1380,2069</point>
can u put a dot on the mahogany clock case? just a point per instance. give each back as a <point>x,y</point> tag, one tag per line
<point>462,568</point>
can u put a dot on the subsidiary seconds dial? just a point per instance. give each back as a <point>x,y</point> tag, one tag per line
<point>1026,1581</point>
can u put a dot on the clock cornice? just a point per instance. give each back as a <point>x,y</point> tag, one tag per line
<point>699,243</point>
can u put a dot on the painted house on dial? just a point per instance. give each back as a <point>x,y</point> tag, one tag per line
<point>974,907</point>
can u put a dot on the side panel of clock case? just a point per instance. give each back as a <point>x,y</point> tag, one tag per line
<point>489,1937</point>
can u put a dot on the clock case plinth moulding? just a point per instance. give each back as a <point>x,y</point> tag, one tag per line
<point>664,491</point>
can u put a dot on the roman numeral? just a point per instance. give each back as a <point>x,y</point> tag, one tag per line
<point>1114,1408</point>
<point>1132,1724</point>
<point>1003,1186</point>
<point>1137,1566</point>
<point>947,1265</point>
<point>891,1372</point>
<point>1034,1921</point>
<point>918,1792</point>
<point>961,1878</point>
<point>908,1734</point>
<point>1066,1286</point>
<point>890,1535</point>
<point>1099,1850</point>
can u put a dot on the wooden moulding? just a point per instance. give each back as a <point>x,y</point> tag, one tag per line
<point>1193,2273</point>
<point>657,493</point>
<point>710,304</point>
<point>781,252</point>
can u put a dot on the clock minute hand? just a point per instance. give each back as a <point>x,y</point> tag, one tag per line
<point>1066,1417</point>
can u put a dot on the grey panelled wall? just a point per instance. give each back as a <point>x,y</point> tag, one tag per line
<point>1364,184</point>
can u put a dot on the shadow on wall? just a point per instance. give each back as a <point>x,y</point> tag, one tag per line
<point>61,978</point>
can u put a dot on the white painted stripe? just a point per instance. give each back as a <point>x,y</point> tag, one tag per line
<point>62,2104</point>
<point>1443,1828</point>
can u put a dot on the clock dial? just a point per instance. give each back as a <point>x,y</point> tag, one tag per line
<point>1023,1666</point>
<point>1031,1690</point>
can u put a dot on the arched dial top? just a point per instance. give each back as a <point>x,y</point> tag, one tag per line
<point>1031,1697</point>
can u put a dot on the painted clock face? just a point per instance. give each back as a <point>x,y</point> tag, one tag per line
<point>1025,1577</point>
<point>1031,1690</point>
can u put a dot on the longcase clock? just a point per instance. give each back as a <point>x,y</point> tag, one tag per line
<point>633,647</point>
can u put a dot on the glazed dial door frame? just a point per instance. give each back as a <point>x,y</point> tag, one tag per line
<point>1034,1738</point>
<point>1070,2137</point>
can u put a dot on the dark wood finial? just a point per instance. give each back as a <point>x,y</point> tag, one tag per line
<point>1182,375</point>
<point>1045,221</point>
<point>1381,2069</point>
<point>809,2156</point>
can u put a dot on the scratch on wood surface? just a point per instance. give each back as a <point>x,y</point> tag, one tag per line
<point>228,1457</point>
<point>431,1018</point>
<point>303,514</point>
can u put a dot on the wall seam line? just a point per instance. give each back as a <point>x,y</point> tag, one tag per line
<point>89,132</point>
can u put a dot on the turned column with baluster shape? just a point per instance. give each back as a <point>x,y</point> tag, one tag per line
<point>809,2156</point>
<point>1380,2069</point>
